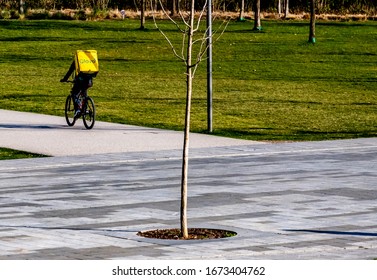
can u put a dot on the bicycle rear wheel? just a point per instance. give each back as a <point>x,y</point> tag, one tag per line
<point>70,111</point>
<point>89,114</point>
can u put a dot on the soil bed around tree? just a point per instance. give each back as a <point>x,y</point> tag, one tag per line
<point>194,234</point>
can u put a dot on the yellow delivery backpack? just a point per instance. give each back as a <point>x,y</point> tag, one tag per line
<point>86,62</point>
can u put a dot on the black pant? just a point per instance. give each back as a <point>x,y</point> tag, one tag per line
<point>81,84</point>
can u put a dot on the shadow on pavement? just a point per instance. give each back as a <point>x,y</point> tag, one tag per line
<point>355,233</point>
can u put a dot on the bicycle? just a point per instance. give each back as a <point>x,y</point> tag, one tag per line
<point>81,103</point>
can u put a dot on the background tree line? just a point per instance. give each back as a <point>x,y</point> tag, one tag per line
<point>295,6</point>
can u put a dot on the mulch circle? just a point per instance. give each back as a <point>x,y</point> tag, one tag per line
<point>194,234</point>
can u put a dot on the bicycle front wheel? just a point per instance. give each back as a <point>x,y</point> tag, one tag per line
<point>89,114</point>
<point>70,111</point>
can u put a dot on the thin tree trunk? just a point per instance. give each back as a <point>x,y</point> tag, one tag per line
<point>312,22</point>
<point>173,11</point>
<point>257,21</point>
<point>184,227</point>
<point>279,8</point>
<point>142,15</point>
<point>22,3</point>
<point>286,9</point>
<point>242,11</point>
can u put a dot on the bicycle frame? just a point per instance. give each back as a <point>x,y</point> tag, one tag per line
<point>81,103</point>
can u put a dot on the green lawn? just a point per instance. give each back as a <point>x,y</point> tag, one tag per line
<point>14,154</point>
<point>270,85</point>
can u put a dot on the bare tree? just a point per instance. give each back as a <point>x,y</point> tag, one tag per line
<point>241,17</point>
<point>312,22</point>
<point>257,20</point>
<point>279,8</point>
<point>191,59</point>
<point>142,14</point>
<point>286,8</point>
<point>173,8</point>
<point>22,4</point>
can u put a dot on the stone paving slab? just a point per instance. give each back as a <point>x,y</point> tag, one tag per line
<point>305,200</point>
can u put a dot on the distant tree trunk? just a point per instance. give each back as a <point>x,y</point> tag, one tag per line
<point>279,8</point>
<point>286,9</point>
<point>22,3</point>
<point>142,14</point>
<point>242,11</point>
<point>173,10</point>
<point>312,22</point>
<point>257,21</point>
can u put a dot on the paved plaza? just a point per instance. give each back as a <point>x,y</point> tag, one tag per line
<point>302,200</point>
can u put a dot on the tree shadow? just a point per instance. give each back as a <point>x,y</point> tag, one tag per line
<point>68,25</point>
<point>31,126</point>
<point>73,228</point>
<point>334,232</point>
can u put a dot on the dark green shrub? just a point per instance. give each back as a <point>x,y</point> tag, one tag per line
<point>81,15</point>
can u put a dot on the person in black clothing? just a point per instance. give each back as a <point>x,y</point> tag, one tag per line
<point>80,82</point>
<point>69,73</point>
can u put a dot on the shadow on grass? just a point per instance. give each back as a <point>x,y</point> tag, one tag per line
<point>8,154</point>
<point>24,58</point>
<point>71,25</point>
<point>276,134</point>
<point>300,24</point>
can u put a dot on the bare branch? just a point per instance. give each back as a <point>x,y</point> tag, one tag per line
<point>222,28</point>
<point>183,46</point>
<point>203,50</point>
<point>201,55</point>
<point>183,18</point>
<point>181,57</point>
<point>200,16</point>
<point>168,16</point>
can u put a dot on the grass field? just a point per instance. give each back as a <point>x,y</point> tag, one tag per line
<point>270,85</point>
<point>14,154</point>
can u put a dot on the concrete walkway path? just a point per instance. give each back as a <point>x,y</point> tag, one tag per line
<point>304,200</point>
<point>50,135</point>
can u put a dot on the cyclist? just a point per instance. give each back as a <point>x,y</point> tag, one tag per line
<point>80,82</point>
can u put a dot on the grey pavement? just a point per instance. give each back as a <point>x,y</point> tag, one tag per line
<point>302,200</point>
<point>50,135</point>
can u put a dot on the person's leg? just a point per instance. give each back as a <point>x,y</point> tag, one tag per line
<point>75,92</point>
